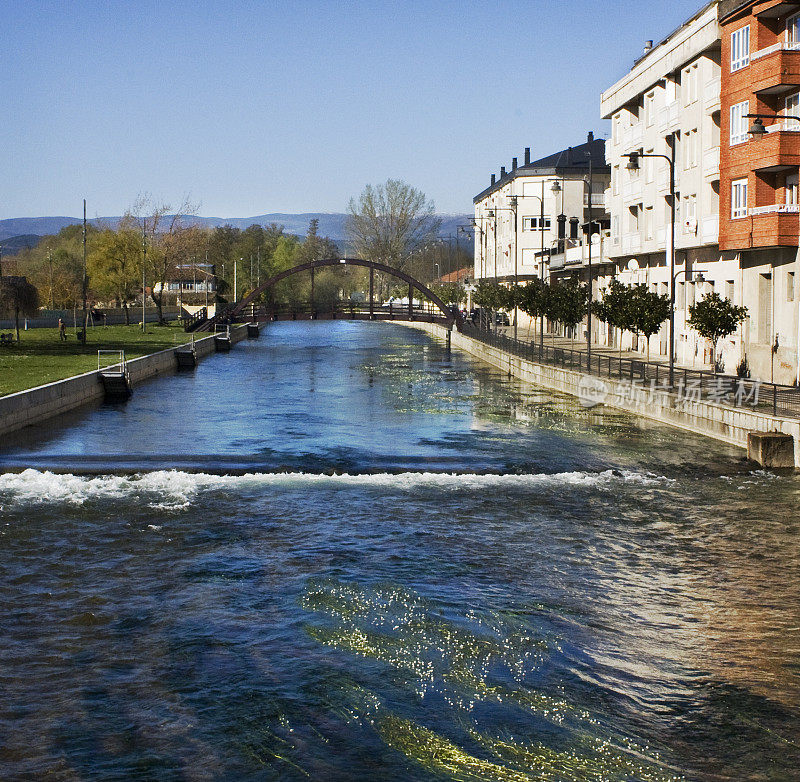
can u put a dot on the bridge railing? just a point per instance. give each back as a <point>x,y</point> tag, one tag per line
<point>342,310</point>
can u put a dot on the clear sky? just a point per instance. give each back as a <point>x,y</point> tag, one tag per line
<point>293,106</point>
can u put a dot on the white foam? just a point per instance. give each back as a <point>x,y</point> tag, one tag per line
<point>174,489</point>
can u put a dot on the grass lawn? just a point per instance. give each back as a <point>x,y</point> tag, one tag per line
<point>40,357</point>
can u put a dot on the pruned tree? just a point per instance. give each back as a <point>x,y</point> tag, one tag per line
<point>648,311</point>
<point>567,303</point>
<point>714,318</point>
<point>18,297</point>
<point>388,222</point>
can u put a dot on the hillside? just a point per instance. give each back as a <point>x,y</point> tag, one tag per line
<point>331,224</point>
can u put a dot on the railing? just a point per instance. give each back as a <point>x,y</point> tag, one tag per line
<point>787,125</point>
<point>191,322</point>
<point>690,384</point>
<point>776,47</point>
<point>773,208</point>
<point>120,361</point>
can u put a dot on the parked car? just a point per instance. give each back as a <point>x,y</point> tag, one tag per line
<point>501,319</point>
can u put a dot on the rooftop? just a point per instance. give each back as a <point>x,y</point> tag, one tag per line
<point>572,160</point>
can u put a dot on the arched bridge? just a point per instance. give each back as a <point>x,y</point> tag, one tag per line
<point>243,309</point>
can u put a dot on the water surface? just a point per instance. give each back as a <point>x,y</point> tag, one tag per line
<point>341,552</point>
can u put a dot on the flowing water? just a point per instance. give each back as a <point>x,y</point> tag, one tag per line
<point>341,552</point>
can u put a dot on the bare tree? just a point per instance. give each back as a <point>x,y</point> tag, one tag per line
<point>389,222</point>
<point>163,235</point>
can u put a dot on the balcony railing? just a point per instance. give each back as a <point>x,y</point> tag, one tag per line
<point>773,209</point>
<point>789,125</point>
<point>631,243</point>
<point>668,116</point>
<point>709,230</point>
<point>598,199</point>
<point>781,46</point>
<point>711,162</point>
<point>712,94</point>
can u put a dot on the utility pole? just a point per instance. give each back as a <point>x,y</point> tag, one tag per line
<point>85,276</point>
<point>144,270</point>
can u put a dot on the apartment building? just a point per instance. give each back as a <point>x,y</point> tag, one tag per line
<point>668,110</point>
<point>524,212</point>
<point>759,221</point>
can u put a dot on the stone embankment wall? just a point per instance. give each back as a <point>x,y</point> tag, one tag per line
<point>38,404</point>
<point>730,425</point>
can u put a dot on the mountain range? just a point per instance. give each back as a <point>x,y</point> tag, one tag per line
<point>18,232</point>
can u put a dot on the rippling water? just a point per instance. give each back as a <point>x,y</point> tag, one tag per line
<point>342,553</point>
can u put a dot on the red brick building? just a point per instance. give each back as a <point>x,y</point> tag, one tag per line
<point>759,214</point>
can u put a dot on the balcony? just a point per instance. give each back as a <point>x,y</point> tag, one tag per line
<point>776,150</point>
<point>632,136</point>
<point>668,117</point>
<point>709,230</point>
<point>711,95</point>
<point>774,209</point>
<point>631,243</point>
<point>711,164</point>
<point>598,200</point>
<point>776,69</point>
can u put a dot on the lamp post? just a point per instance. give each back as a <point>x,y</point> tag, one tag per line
<point>476,224</point>
<point>633,165</point>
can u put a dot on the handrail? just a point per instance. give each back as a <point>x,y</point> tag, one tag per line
<point>774,398</point>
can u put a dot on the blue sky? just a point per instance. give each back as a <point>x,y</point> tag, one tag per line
<point>255,107</point>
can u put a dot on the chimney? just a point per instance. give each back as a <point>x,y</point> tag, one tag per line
<point>648,45</point>
<point>562,226</point>
<point>513,164</point>
<point>573,227</point>
<point>502,171</point>
<point>527,156</point>
<point>590,137</point>
<point>492,178</point>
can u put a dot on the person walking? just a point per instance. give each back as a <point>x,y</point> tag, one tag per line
<point>62,330</point>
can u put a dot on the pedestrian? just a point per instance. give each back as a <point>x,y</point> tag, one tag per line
<point>62,330</point>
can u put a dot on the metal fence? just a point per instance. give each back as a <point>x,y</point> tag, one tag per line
<point>689,384</point>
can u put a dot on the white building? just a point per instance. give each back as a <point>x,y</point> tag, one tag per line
<point>669,105</point>
<point>521,216</point>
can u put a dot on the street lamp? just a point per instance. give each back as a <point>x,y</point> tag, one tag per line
<point>758,130</point>
<point>633,165</point>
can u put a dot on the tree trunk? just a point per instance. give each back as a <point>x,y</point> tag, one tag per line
<point>159,308</point>
<point>127,312</point>
<point>16,321</point>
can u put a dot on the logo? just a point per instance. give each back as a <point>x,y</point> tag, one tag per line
<point>591,391</point>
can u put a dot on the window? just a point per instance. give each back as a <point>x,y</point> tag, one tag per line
<point>615,229</point>
<point>680,296</point>
<point>633,218</point>
<point>792,109</point>
<point>739,122</point>
<point>649,108</point>
<point>729,290</point>
<point>615,181</point>
<point>791,188</point>
<point>690,148</point>
<point>648,166</point>
<point>793,31</point>
<point>616,128</point>
<point>789,286</point>
<point>739,198</point>
<point>690,214</point>
<point>676,143</point>
<point>535,223</point>
<point>648,223</point>
<point>689,85</point>
<point>740,48</point>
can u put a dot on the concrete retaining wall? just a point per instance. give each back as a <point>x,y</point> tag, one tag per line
<point>38,404</point>
<point>730,425</point>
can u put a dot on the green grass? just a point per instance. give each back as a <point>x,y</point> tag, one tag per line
<point>40,357</point>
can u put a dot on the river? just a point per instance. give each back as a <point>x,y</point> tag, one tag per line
<point>342,552</point>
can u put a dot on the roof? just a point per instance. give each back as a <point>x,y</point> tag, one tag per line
<point>570,160</point>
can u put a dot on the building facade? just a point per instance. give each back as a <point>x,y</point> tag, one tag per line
<point>522,215</point>
<point>759,220</point>
<point>668,109</point>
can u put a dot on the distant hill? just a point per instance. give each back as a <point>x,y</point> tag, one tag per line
<point>13,244</point>
<point>331,224</point>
